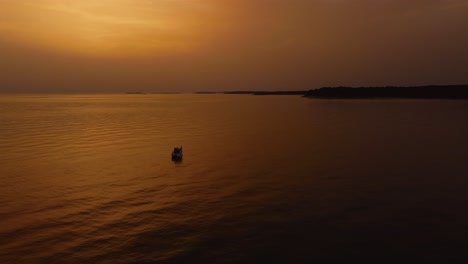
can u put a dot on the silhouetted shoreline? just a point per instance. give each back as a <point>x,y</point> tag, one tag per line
<point>281,93</point>
<point>258,92</point>
<point>415,92</point>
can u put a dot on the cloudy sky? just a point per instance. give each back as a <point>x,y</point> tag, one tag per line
<point>89,46</point>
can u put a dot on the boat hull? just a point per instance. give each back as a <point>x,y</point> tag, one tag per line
<point>177,154</point>
<point>176,157</point>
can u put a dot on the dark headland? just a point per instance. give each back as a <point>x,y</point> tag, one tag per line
<point>415,92</point>
<point>410,92</point>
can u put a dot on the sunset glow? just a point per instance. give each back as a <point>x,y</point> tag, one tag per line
<point>105,27</point>
<point>190,45</point>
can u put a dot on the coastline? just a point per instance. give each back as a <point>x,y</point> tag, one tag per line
<point>410,92</point>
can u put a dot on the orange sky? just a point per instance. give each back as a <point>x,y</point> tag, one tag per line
<point>205,45</point>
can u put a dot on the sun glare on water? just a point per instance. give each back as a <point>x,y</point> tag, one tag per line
<point>105,27</point>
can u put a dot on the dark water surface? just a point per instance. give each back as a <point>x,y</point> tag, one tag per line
<point>88,179</point>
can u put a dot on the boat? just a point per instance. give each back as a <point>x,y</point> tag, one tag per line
<point>177,154</point>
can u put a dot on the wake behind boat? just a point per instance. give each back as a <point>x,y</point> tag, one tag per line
<point>177,154</point>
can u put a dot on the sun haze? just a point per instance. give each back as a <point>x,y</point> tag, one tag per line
<point>189,45</point>
<point>106,27</point>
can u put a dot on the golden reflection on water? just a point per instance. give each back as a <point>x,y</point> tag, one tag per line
<point>86,176</point>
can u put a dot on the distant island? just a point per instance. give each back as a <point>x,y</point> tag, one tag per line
<point>268,92</point>
<point>135,93</point>
<point>281,93</point>
<point>208,92</point>
<point>415,92</point>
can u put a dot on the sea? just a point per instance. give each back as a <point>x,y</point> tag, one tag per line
<point>264,179</point>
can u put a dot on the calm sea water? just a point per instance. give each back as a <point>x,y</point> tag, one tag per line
<point>89,179</point>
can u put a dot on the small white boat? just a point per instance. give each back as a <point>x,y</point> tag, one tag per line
<point>177,154</point>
